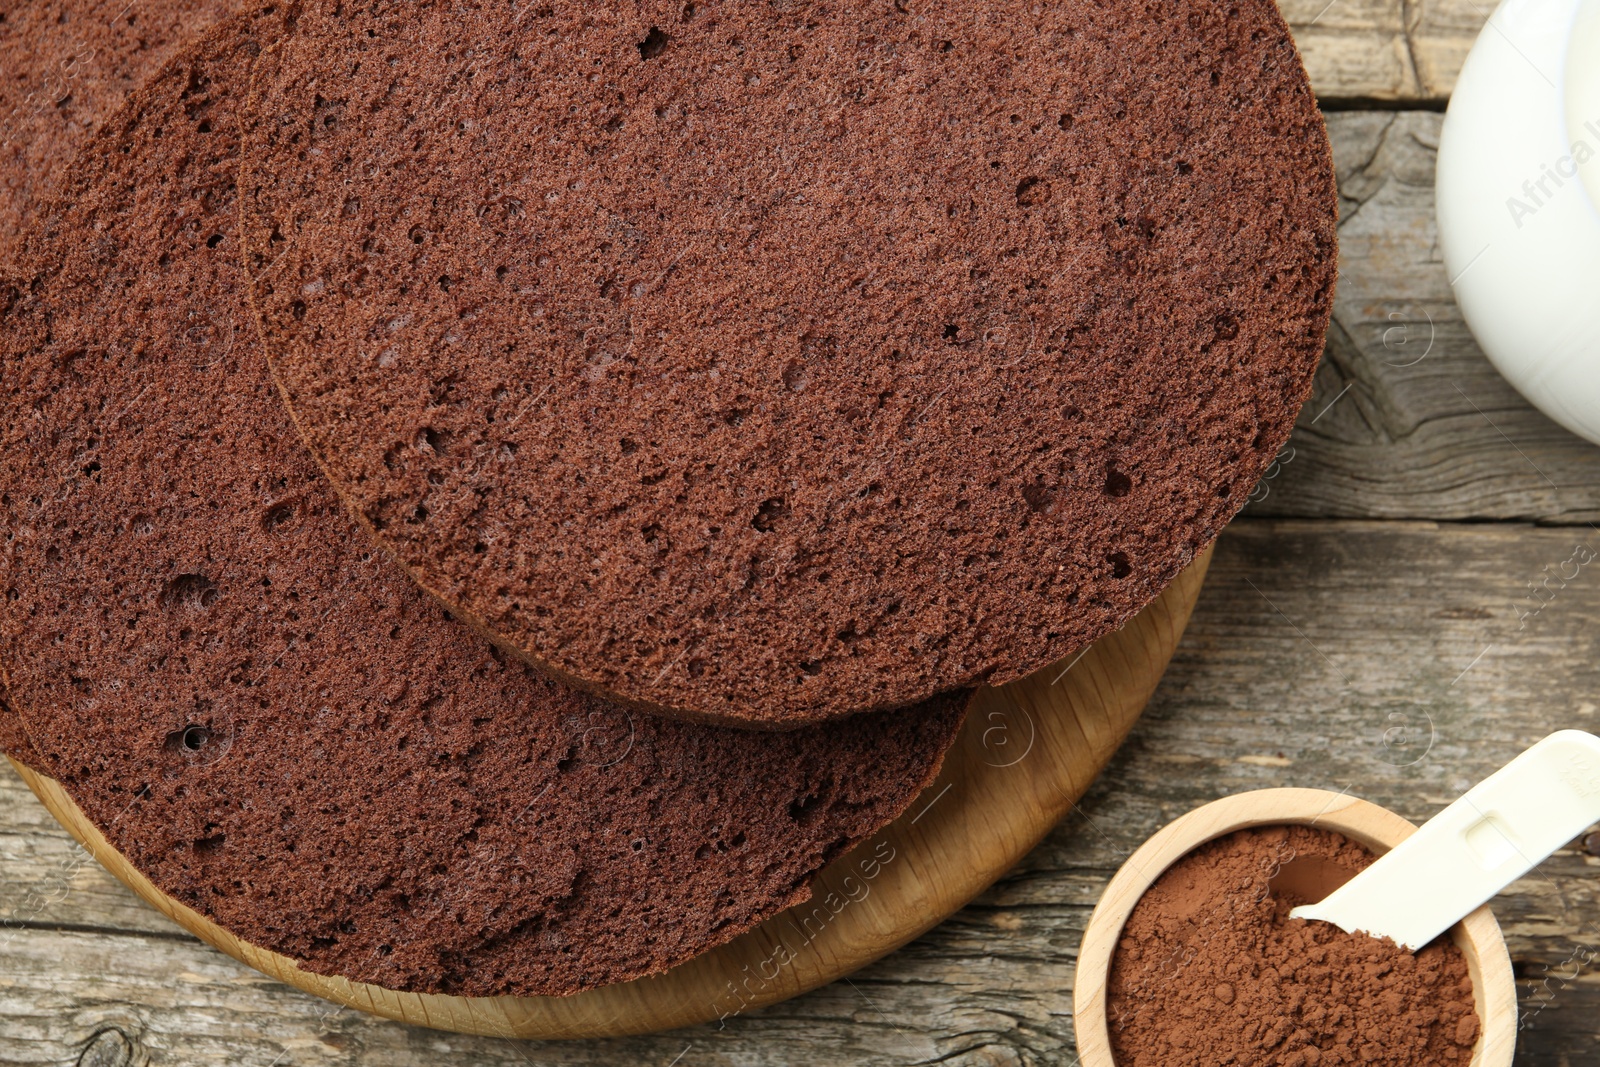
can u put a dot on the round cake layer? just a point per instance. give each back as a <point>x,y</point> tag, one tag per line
<point>66,64</point>
<point>263,713</point>
<point>13,734</point>
<point>772,362</point>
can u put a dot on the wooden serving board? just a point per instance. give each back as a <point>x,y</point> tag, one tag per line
<point>1027,753</point>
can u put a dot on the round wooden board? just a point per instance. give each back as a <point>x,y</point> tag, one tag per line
<point>1027,753</point>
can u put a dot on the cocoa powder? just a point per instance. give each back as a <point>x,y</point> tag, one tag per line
<point>1211,971</point>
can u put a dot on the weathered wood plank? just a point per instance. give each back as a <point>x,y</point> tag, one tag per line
<point>1313,646</point>
<point>1385,49</point>
<point>47,880</point>
<point>1381,48</point>
<point>1409,419</point>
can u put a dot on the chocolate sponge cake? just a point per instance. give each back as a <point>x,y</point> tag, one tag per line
<point>265,715</point>
<point>769,362</point>
<point>14,737</point>
<point>65,64</point>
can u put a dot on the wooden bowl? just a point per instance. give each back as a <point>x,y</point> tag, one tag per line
<point>1494,991</point>
<point>1028,751</point>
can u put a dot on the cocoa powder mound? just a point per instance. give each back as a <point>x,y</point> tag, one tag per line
<point>1211,971</point>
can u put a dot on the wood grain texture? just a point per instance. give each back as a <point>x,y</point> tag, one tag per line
<point>1409,420</point>
<point>1400,50</point>
<point>1398,610</point>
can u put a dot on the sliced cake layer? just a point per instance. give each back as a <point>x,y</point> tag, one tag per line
<point>263,713</point>
<point>769,362</point>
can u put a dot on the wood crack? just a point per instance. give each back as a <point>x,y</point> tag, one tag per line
<point>32,925</point>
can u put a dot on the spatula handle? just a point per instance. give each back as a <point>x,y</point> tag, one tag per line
<point>1501,829</point>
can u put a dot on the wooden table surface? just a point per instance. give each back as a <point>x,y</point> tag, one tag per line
<point>1411,599</point>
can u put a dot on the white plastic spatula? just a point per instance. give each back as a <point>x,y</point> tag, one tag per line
<point>1496,833</point>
